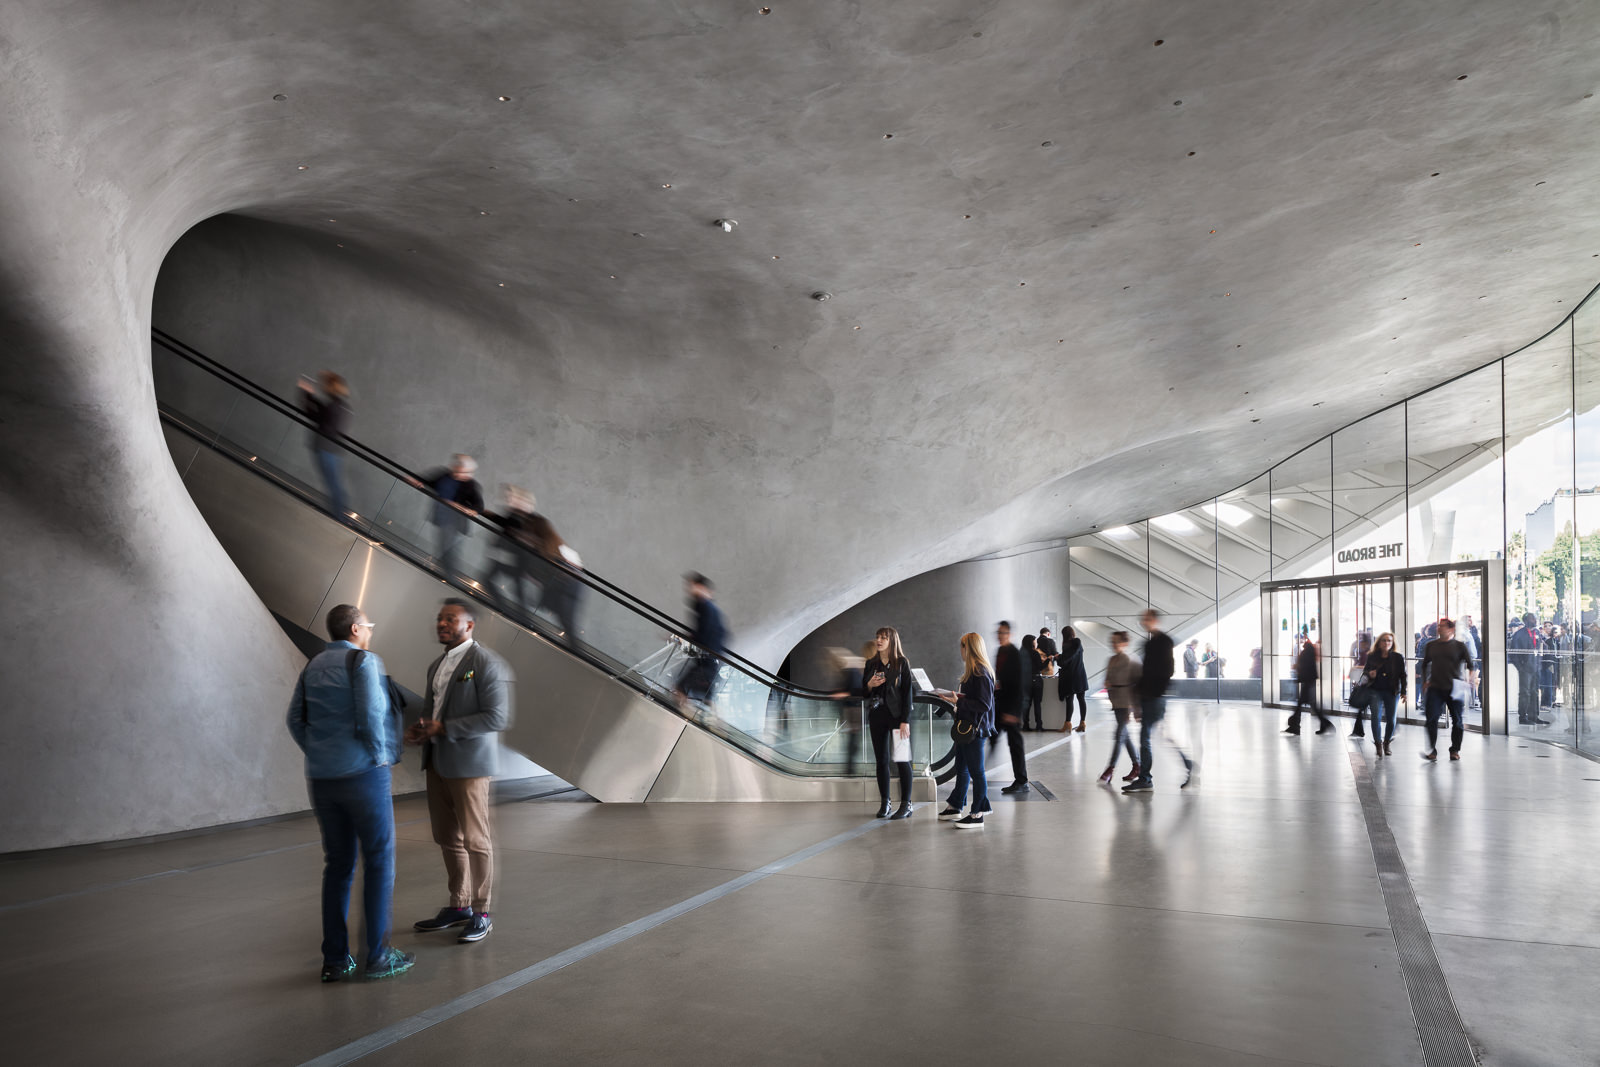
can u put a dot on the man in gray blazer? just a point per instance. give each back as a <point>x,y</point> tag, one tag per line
<point>468,702</point>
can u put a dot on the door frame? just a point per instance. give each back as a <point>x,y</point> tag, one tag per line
<point>1492,629</point>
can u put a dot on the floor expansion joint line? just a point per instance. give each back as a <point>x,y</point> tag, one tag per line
<point>399,1031</point>
<point>1440,1031</point>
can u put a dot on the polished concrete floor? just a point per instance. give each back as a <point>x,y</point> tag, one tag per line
<point>1239,921</point>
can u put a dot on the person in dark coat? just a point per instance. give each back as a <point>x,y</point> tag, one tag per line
<point>974,722</point>
<point>458,498</point>
<point>1306,672</point>
<point>1155,674</point>
<point>1074,679</point>
<point>331,413</point>
<point>1010,695</point>
<point>1035,662</point>
<point>698,682</point>
<point>889,685</point>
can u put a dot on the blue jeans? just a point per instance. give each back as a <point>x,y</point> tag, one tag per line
<point>1123,738</point>
<point>1152,711</point>
<point>1383,704</point>
<point>349,811</point>
<point>1438,701</point>
<point>331,465</point>
<point>969,766</point>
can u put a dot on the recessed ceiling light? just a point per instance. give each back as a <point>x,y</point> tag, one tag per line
<point>666,185</point>
<point>301,167</point>
<point>725,225</point>
<point>822,294</point>
<point>279,97</point>
<point>505,100</point>
<point>1177,524</point>
<point>1122,533</point>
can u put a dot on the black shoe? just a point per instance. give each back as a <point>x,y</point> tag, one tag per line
<point>1139,785</point>
<point>1019,786</point>
<point>903,812</point>
<point>1358,733</point>
<point>1292,730</point>
<point>1325,730</point>
<point>971,822</point>
<point>446,918</point>
<point>1541,722</point>
<point>949,813</point>
<point>883,809</point>
<point>396,962</point>
<point>337,972</point>
<point>477,929</point>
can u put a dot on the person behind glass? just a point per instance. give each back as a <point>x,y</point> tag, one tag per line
<point>1074,679</point>
<point>1155,674</point>
<point>1524,656</point>
<point>1191,660</point>
<point>559,565</point>
<point>1444,663</point>
<point>1474,642</point>
<point>1010,697</point>
<point>1306,672</point>
<point>1255,663</point>
<point>339,716</point>
<point>459,498</point>
<point>1034,660</point>
<point>698,682</point>
<point>1211,662</point>
<point>849,688</point>
<point>1549,658</point>
<point>331,413</point>
<point>1360,649</point>
<point>1122,682</point>
<point>521,563</point>
<point>1050,654</point>
<point>974,721</point>
<point>888,683</point>
<point>1385,671</point>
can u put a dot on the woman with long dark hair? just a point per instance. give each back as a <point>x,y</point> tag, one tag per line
<point>974,723</point>
<point>1074,680</point>
<point>1034,660</point>
<point>888,682</point>
<point>1385,669</point>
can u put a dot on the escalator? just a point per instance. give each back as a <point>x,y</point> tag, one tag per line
<point>594,706</point>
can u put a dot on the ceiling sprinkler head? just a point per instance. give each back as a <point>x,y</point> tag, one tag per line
<point>821,294</point>
<point>726,225</point>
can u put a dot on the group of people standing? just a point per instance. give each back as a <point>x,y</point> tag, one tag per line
<point>347,718</point>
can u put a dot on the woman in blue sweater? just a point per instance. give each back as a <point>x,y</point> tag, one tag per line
<point>974,723</point>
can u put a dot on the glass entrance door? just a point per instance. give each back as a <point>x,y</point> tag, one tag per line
<point>1345,616</point>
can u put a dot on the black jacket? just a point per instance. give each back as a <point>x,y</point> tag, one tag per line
<point>1387,674</point>
<point>468,494</point>
<point>1074,679</point>
<point>1305,664</point>
<point>890,701</point>
<point>332,414</point>
<point>1156,671</point>
<point>1009,692</point>
<point>976,703</point>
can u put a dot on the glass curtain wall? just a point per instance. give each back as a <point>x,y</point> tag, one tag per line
<point>1501,463</point>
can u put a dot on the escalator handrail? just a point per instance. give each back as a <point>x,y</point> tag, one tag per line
<point>389,466</point>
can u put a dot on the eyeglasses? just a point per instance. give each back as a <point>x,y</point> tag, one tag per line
<point>368,625</point>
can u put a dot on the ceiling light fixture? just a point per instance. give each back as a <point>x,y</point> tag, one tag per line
<point>505,100</point>
<point>725,225</point>
<point>821,294</point>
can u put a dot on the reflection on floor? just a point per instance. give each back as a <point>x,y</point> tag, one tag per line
<point>1238,921</point>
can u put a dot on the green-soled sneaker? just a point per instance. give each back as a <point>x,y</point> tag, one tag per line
<point>338,972</point>
<point>396,962</point>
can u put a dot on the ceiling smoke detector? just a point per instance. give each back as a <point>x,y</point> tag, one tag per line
<point>725,225</point>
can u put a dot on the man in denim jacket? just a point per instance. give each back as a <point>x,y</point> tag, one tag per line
<point>340,718</point>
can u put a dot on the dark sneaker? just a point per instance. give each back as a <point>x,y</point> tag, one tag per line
<point>1016,787</point>
<point>1431,756</point>
<point>396,962</point>
<point>971,822</point>
<point>446,918</point>
<point>477,929</point>
<point>1140,785</point>
<point>338,972</point>
<point>949,813</point>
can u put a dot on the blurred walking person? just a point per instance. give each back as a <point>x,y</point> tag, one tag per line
<point>560,589</point>
<point>339,716</point>
<point>1447,668</point>
<point>1155,674</point>
<point>459,498</point>
<point>331,413</point>
<point>698,682</point>
<point>1010,696</point>
<point>1074,679</point>
<point>889,685</point>
<point>1306,671</point>
<point>974,721</point>
<point>1122,681</point>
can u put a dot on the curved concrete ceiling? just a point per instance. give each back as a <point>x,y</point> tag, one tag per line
<point>1088,261</point>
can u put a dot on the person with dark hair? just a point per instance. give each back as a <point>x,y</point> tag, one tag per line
<point>1049,652</point>
<point>1074,679</point>
<point>339,716</point>
<point>468,703</point>
<point>1155,674</point>
<point>889,685</point>
<point>1034,711</point>
<point>1306,672</point>
<point>459,497</point>
<point>1191,661</point>
<point>698,682</point>
<point>331,414</point>
<point>1445,662</point>
<point>1009,694</point>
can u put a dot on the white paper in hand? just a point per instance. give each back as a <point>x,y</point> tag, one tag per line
<point>901,752</point>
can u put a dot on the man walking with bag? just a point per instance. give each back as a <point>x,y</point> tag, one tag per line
<point>339,716</point>
<point>468,702</point>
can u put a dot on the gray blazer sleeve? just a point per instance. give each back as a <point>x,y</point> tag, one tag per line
<point>492,680</point>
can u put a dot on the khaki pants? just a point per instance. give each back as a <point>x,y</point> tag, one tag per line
<point>459,811</point>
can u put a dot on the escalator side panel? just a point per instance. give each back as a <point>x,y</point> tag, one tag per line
<point>700,769</point>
